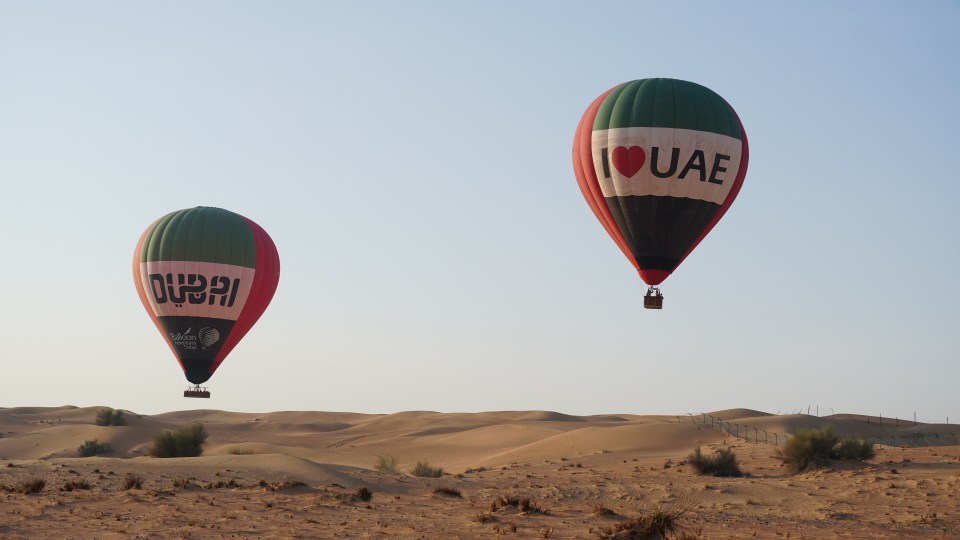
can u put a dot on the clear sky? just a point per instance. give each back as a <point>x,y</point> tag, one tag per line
<point>411,160</point>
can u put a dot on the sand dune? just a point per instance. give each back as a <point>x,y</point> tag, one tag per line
<point>295,473</point>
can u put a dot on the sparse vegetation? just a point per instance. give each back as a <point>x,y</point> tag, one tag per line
<point>364,494</point>
<point>280,486</point>
<point>655,525</point>
<point>424,470</point>
<point>484,517</point>
<point>80,483</point>
<point>854,448</point>
<point>181,482</point>
<point>446,490</point>
<point>388,465</point>
<point>722,463</point>
<point>93,448</point>
<point>523,504</point>
<point>28,486</point>
<point>110,417</point>
<point>603,511</point>
<point>814,448</point>
<point>186,442</point>
<point>132,481</point>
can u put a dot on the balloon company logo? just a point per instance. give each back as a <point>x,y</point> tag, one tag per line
<point>193,289</point>
<point>629,160</point>
<point>208,336</point>
<point>184,340</point>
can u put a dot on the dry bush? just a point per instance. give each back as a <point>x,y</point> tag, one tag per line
<point>80,483</point>
<point>388,464</point>
<point>523,504</point>
<point>446,490</point>
<point>601,510</point>
<point>31,485</point>
<point>280,486</point>
<point>722,463</point>
<point>424,470</point>
<point>653,526</point>
<point>484,517</point>
<point>132,481</point>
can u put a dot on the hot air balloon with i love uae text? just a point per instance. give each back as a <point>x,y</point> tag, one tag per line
<point>205,276</point>
<point>659,162</point>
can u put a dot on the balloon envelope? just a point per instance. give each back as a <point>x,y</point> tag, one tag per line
<point>659,161</point>
<point>205,275</point>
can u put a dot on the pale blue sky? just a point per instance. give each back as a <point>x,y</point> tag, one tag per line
<point>411,160</point>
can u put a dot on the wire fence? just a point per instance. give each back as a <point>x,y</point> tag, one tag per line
<point>763,436</point>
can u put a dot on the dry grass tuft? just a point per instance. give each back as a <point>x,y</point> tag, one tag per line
<point>446,490</point>
<point>423,470</point>
<point>722,463</point>
<point>388,465</point>
<point>603,511</point>
<point>80,483</point>
<point>524,504</point>
<point>132,481</point>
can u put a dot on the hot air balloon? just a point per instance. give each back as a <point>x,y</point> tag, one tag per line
<point>659,161</point>
<point>204,275</point>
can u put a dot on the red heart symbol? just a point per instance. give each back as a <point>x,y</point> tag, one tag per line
<point>628,160</point>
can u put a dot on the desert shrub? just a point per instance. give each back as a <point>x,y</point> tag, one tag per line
<point>32,485</point>
<point>424,470</point>
<point>388,464</point>
<point>601,510</point>
<point>446,490</point>
<point>364,494</point>
<point>854,448</point>
<point>657,524</point>
<point>93,448</point>
<point>110,417</point>
<point>80,483</point>
<point>132,481</point>
<point>809,449</point>
<point>523,504</point>
<point>814,448</point>
<point>722,463</point>
<point>186,442</point>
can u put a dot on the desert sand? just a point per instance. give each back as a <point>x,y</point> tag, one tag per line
<point>299,475</point>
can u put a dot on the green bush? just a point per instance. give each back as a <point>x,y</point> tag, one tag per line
<point>854,448</point>
<point>93,448</point>
<point>186,442</point>
<point>722,463</point>
<point>424,470</point>
<point>809,449</point>
<point>109,417</point>
<point>814,448</point>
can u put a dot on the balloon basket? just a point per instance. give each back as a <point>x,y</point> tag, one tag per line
<point>196,392</point>
<point>653,299</point>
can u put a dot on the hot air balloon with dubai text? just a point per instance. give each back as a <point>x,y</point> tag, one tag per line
<point>205,276</point>
<point>659,161</point>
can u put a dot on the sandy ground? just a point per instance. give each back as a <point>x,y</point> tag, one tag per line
<point>299,474</point>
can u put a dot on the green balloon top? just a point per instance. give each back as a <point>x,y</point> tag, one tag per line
<point>667,103</point>
<point>201,234</point>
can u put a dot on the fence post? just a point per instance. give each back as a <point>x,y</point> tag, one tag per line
<point>776,439</point>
